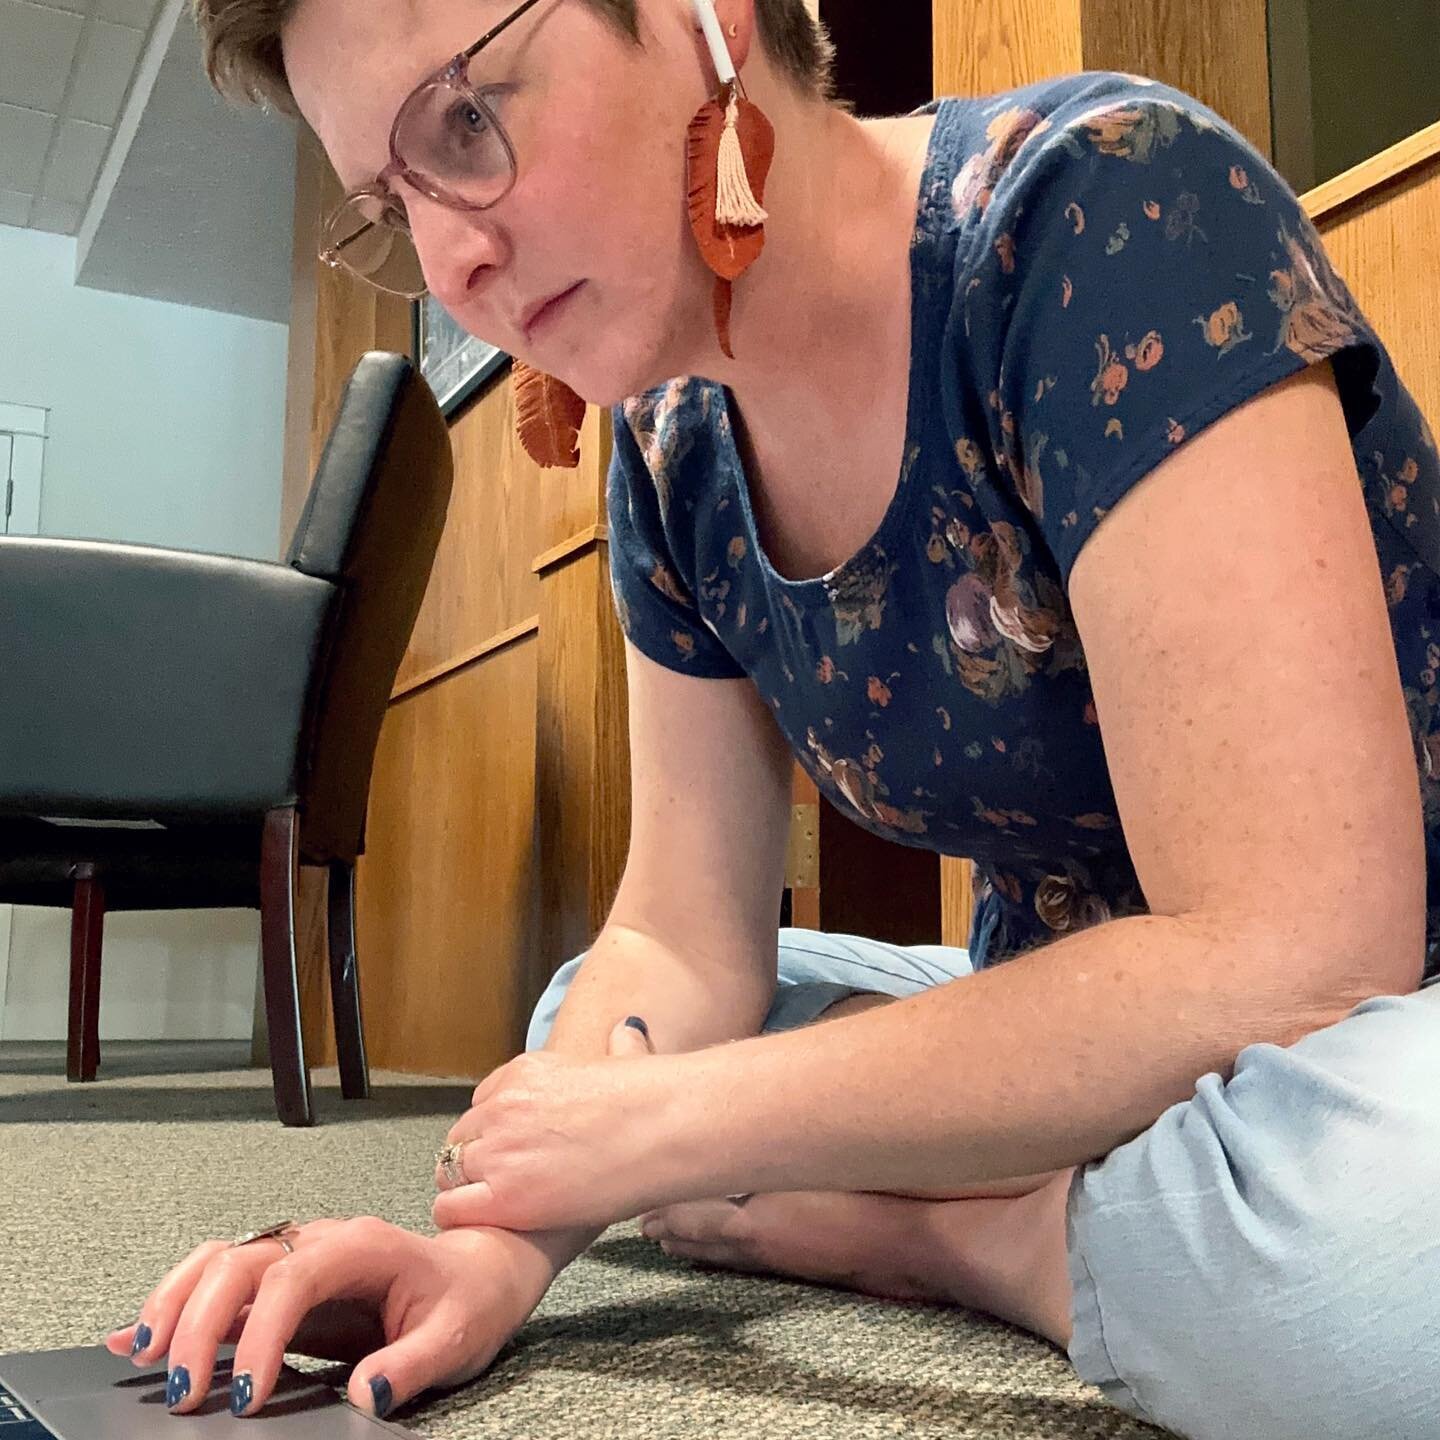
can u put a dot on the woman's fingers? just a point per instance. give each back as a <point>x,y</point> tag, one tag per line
<point>228,1284</point>
<point>358,1263</point>
<point>447,1348</point>
<point>630,1037</point>
<point>162,1307</point>
<point>458,1165</point>
<point>469,1206</point>
<point>201,1304</point>
<point>120,1342</point>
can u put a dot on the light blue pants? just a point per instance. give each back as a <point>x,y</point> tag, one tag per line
<point>1262,1263</point>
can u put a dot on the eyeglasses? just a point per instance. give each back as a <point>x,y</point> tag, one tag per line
<point>448,143</point>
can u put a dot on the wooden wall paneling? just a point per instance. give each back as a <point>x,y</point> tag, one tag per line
<point>1369,181</point>
<point>581,719</point>
<point>874,887</point>
<point>802,852</point>
<point>572,502</point>
<point>957,901</point>
<point>446,887</point>
<point>1215,50</point>
<point>982,46</point>
<point>482,584</point>
<point>582,799</point>
<point>1385,242</point>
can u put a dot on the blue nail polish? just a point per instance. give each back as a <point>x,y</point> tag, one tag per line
<point>242,1392</point>
<point>142,1339</point>
<point>177,1387</point>
<point>636,1023</point>
<point>382,1394</point>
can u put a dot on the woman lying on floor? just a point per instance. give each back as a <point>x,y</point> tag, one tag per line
<point>1143,625</point>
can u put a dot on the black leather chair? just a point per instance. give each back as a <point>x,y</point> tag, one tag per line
<point>225,711</point>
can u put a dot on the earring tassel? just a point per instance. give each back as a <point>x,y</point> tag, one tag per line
<point>735,202</point>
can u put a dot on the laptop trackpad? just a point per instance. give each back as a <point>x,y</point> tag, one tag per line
<point>86,1393</point>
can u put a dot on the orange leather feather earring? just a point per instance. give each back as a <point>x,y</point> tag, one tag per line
<point>730,148</point>
<point>548,416</point>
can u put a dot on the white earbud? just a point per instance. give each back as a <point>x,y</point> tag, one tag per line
<point>719,51</point>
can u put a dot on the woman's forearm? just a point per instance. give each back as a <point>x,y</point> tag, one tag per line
<point>1048,1060</point>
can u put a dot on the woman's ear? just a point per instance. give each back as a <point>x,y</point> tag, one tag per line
<point>737,28</point>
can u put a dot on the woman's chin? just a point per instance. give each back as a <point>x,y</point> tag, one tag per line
<point>604,386</point>
<point>615,369</point>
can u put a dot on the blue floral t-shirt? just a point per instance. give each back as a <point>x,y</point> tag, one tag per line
<point>1101,267</point>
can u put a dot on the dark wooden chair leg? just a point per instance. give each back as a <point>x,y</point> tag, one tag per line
<point>87,929</point>
<point>279,859</point>
<point>345,984</point>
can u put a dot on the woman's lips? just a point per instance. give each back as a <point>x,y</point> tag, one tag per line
<point>537,320</point>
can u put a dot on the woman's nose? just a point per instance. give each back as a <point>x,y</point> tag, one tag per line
<point>456,248</point>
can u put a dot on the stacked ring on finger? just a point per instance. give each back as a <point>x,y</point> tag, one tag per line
<point>270,1232</point>
<point>448,1158</point>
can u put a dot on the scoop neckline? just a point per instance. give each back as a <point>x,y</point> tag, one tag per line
<point>921,324</point>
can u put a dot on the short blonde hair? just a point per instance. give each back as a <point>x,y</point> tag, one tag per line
<point>244,60</point>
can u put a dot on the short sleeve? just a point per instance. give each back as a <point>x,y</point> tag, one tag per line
<point>656,608</point>
<point>1140,270</point>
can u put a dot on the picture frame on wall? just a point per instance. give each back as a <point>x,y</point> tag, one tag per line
<point>454,363</point>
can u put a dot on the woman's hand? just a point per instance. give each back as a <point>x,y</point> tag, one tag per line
<point>551,1142</point>
<point>410,1311</point>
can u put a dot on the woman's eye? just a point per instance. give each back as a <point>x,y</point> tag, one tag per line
<point>468,121</point>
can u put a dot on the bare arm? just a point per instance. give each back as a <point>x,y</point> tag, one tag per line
<point>690,943</point>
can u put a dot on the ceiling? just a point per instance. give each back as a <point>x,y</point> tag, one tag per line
<point>110,132</point>
<point>65,69</point>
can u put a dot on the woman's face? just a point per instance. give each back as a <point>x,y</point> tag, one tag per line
<point>598,125</point>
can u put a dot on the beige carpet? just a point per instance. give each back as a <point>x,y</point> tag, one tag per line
<point>103,1186</point>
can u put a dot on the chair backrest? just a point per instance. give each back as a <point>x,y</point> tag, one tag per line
<point>371,524</point>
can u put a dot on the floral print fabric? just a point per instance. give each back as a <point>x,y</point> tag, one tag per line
<point>1101,267</point>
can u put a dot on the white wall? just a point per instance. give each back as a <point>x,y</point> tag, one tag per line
<point>165,429</point>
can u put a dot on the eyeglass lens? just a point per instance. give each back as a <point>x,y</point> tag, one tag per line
<point>450,139</point>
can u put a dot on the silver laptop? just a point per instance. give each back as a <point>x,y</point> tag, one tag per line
<point>89,1394</point>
